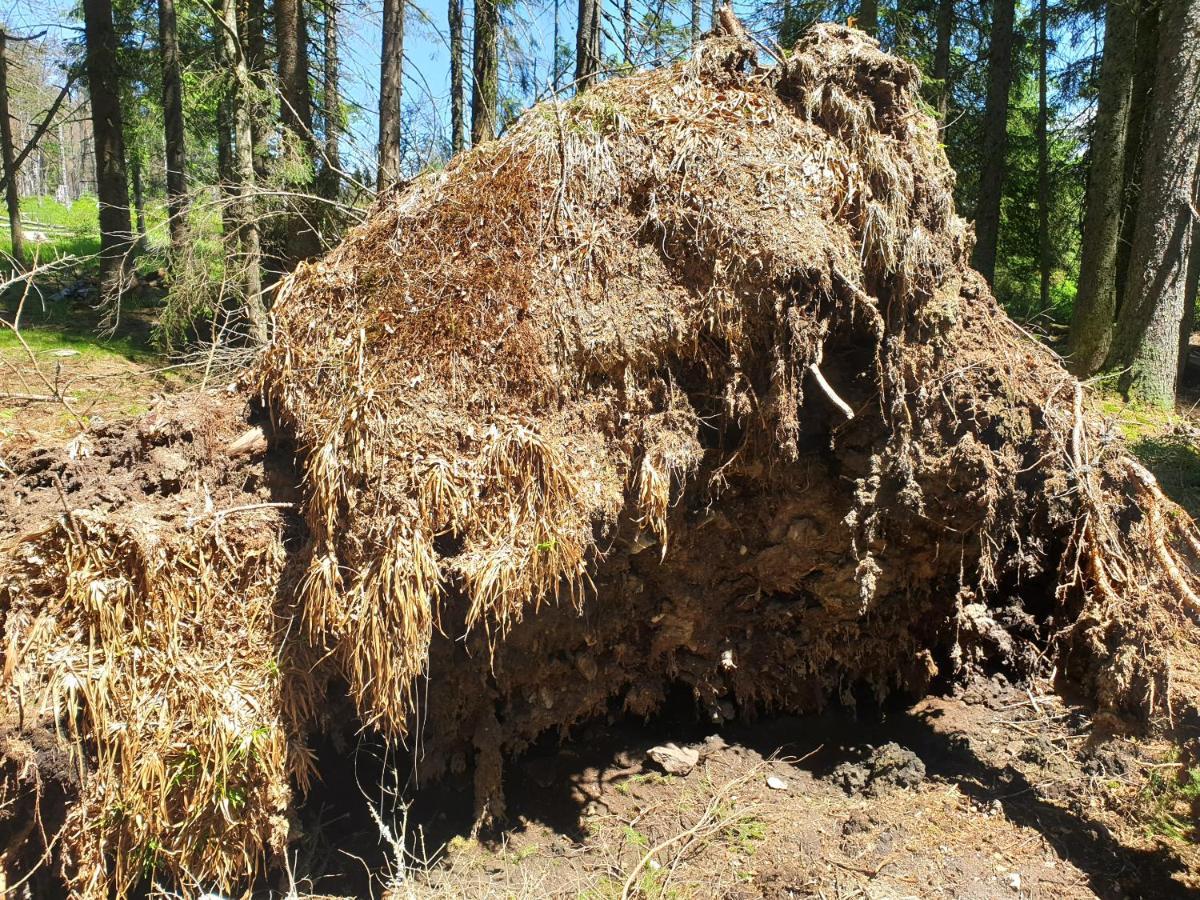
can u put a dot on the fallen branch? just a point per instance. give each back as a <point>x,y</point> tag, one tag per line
<point>40,398</point>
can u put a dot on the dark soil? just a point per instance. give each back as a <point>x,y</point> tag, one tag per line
<point>1000,791</point>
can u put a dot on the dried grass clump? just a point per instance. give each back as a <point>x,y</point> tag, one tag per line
<point>157,662</point>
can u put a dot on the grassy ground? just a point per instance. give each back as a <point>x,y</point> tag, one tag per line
<point>54,230</point>
<point>63,347</point>
<point>1167,443</point>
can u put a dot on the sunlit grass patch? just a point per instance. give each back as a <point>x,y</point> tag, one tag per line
<point>1164,445</point>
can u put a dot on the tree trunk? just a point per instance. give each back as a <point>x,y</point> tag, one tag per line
<point>485,85</point>
<point>139,199</point>
<point>11,194</point>
<point>1096,299</point>
<point>868,17</point>
<point>587,43</point>
<point>332,178</point>
<point>1043,145</point>
<point>995,140</point>
<point>1146,343</point>
<point>941,57</point>
<point>391,72</point>
<point>253,37</point>
<point>1145,66</point>
<point>1190,293</point>
<point>112,183</point>
<point>695,21</point>
<point>291,36</point>
<point>627,31</point>
<point>240,88</point>
<point>173,127</point>
<point>226,176</point>
<point>457,119</point>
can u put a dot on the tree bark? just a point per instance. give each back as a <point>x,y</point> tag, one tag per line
<point>627,31</point>
<point>868,17</point>
<point>291,36</point>
<point>995,139</point>
<point>332,179</point>
<point>173,127</point>
<point>1096,299</point>
<point>112,182</point>
<point>1145,67</point>
<point>941,56</point>
<point>1043,145</point>
<point>485,85</point>
<point>391,92</point>
<point>1146,343</point>
<point>239,89</point>
<point>457,119</point>
<point>587,43</point>
<point>252,33</point>
<point>11,195</point>
<point>1191,292</point>
<point>139,199</point>
<point>695,21</point>
<point>226,176</point>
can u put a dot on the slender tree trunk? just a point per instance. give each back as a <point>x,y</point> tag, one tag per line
<point>695,21</point>
<point>173,128</point>
<point>1043,144</point>
<point>391,72</point>
<point>139,199</point>
<point>1190,294</point>
<point>226,176</point>
<point>1146,343</point>
<point>1096,299</point>
<point>291,35</point>
<point>332,180</point>
<point>941,56</point>
<point>485,85</point>
<point>868,17</point>
<point>240,88</point>
<point>457,119</point>
<point>587,43</point>
<point>11,194</point>
<point>627,31</point>
<point>253,35</point>
<point>1145,67</point>
<point>112,183</point>
<point>995,139</point>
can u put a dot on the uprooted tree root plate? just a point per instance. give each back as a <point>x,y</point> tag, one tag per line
<point>684,382</point>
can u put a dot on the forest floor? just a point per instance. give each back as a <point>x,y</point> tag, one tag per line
<point>998,791</point>
<point>995,790</point>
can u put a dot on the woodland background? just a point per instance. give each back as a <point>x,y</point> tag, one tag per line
<point>174,158</point>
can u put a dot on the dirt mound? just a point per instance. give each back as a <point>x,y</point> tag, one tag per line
<point>683,383</point>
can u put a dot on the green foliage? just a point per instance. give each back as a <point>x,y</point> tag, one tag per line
<point>746,833</point>
<point>1170,798</point>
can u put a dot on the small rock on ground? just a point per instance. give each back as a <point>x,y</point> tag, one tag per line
<point>673,759</point>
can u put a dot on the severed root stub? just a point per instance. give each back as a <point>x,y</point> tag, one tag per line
<point>684,384</point>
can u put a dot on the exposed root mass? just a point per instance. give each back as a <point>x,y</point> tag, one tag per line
<point>683,382</point>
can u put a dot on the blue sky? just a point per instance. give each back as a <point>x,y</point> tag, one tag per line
<point>426,51</point>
